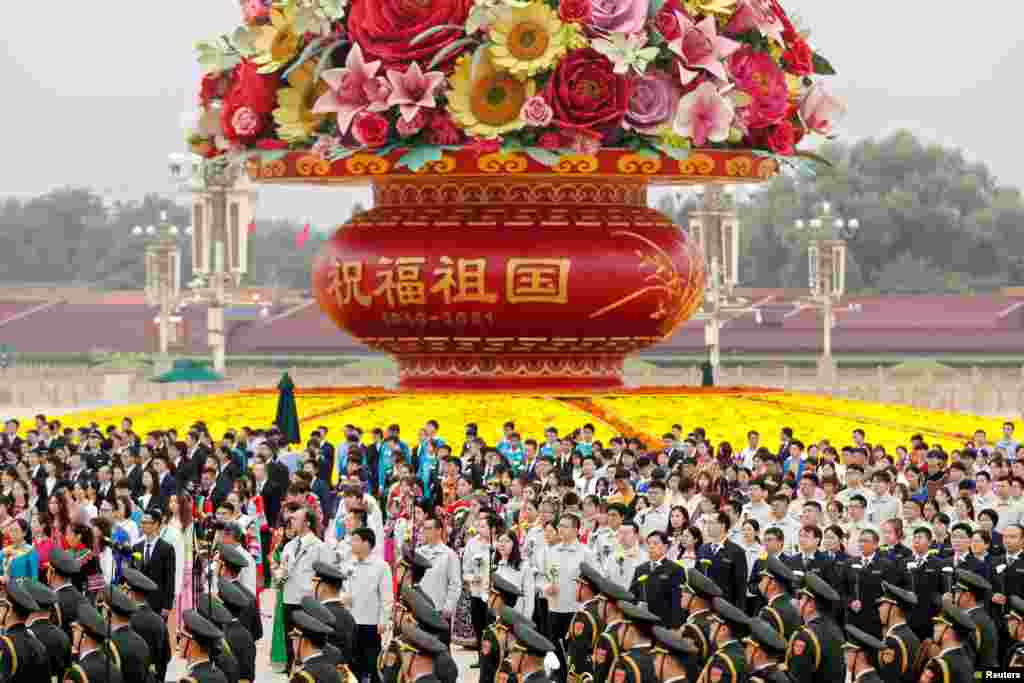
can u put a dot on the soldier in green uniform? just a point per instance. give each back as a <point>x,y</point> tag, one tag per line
<point>528,654</point>
<point>815,650</point>
<point>765,652</point>
<point>608,645</point>
<point>233,561</point>
<point>53,638</point>
<point>235,632</point>
<point>861,648</point>
<point>220,652</point>
<point>89,637</point>
<point>22,656</point>
<point>327,583</point>
<point>411,569</point>
<point>635,663</point>
<point>502,635</point>
<point>1015,628</point>
<point>419,651</point>
<point>310,636</point>
<point>952,629</point>
<point>586,624</point>
<point>672,656</point>
<point>200,638</point>
<point>128,649</point>
<point>63,569</point>
<point>971,594</point>
<point>698,594</point>
<point>315,609</point>
<point>147,623</point>
<point>728,664</point>
<point>503,594</point>
<point>775,583</point>
<point>429,619</point>
<point>896,662</point>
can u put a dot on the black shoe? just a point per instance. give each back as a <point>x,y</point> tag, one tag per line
<point>475,665</point>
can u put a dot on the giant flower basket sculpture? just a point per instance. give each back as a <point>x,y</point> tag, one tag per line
<point>510,145</point>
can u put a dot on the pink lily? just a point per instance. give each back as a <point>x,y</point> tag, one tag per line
<point>751,14</point>
<point>820,110</point>
<point>413,89</point>
<point>352,89</point>
<point>704,114</point>
<point>700,47</point>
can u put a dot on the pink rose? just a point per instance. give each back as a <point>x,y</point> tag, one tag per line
<point>409,128</point>
<point>584,143</point>
<point>619,16</point>
<point>537,112</point>
<point>550,140</point>
<point>254,10</point>
<point>442,130</point>
<point>757,75</point>
<point>370,129</point>
<point>246,122</point>
<point>653,102</point>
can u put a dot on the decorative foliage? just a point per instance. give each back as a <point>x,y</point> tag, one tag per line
<point>548,76</point>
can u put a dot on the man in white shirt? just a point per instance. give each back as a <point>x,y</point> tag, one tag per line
<point>748,453</point>
<point>655,518</point>
<point>561,571</point>
<point>619,564</point>
<point>443,581</point>
<point>857,511</point>
<point>296,569</point>
<point>370,599</point>
<point>781,519</point>
<point>1009,512</point>
<point>758,509</point>
<point>885,506</point>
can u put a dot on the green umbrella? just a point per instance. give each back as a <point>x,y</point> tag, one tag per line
<point>190,371</point>
<point>287,419</point>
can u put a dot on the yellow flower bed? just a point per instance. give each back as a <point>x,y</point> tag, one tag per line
<point>531,415</point>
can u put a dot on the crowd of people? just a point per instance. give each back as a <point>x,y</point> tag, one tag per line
<point>562,557</point>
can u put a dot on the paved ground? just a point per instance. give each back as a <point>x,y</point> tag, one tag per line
<point>265,675</point>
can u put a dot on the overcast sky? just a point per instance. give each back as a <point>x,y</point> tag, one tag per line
<point>93,91</point>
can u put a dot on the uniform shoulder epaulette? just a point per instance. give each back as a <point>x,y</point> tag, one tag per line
<point>187,679</point>
<point>303,677</point>
<point>12,653</point>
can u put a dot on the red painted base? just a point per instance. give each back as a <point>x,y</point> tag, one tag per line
<point>519,373</point>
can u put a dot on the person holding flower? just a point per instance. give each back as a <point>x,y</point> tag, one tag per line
<point>20,559</point>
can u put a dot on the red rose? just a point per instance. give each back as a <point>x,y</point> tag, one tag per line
<point>550,140</point>
<point>384,29</point>
<point>370,129</point>
<point>799,58</point>
<point>666,23</point>
<point>213,87</point>
<point>586,94</point>
<point>253,89</point>
<point>781,138</point>
<point>271,144</point>
<point>574,11</point>
<point>442,130</point>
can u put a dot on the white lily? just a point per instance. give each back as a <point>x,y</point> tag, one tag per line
<point>626,51</point>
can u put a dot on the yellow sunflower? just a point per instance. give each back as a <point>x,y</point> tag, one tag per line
<point>489,103</point>
<point>278,42</point>
<point>528,39</point>
<point>294,115</point>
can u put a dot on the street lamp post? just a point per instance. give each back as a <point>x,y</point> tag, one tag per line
<point>163,277</point>
<point>826,256</point>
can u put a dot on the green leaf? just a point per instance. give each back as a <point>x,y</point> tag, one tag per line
<point>241,39</point>
<point>478,58</point>
<point>814,157</point>
<point>822,66</point>
<point>648,152</point>
<point>423,35</point>
<point>418,157</point>
<point>654,7</point>
<point>450,49</point>
<point>673,152</point>
<point>341,153</point>
<point>273,154</point>
<point>325,57</point>
<point>542,156</point>
<point>309,51</point>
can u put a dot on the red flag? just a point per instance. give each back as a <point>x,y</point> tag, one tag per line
<point>302,237</point>
<point>252,227</point>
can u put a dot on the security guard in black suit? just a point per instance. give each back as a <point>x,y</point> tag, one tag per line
<point>327,583</point>
<point>656,583</point>
<point>201,636</point>
<point>22,656</point>
<point>815,650</point>
<point>586,624</point>
<point>765,651</point>
<point>94,664</point>
<point>233,561</point>
<point>1015,628</point>
<point>238,637</point>
<point>724,562</point>
<point>63,571</point>
<point>861,650</point>
<point>419,611</point>
<point>526,658</point>
<point>672,656</point>
<point>53,638</point>
<point>897,661</point>
<point>310,636</point>
<point>221,653</point>
<point>635,664</point>
<point>147,623</point>
<point>128,648</point>
<point>609,643</point>
<point>728,664</point>
<point>953,629</point>
<point>861,583</point>
<point>775,583</point>
<point>971,594</point>
<point>699,593</point>
<point>419,650</point>
<point>492,651</point>
<point>925,578</point>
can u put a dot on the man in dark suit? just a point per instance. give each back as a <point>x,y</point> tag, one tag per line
<point>167,483</point>
<point>723,561</point>
<point>925,578</point>
<point>138,456</point>
<point>862,584</point>
<point>659,582</point>
<point>228,471</point>
<point>157,562</point>
<point>808,558</point>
